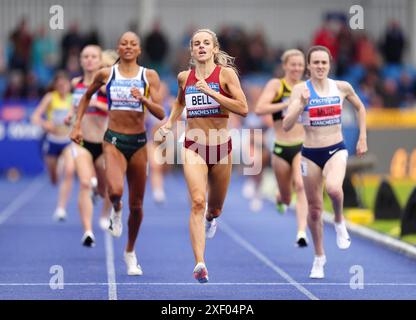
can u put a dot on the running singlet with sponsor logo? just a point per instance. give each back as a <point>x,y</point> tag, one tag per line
<point>323,111</point>
<point>200,105</point>
<point>58,109</point>
<point>284,94</point>
<point>56,113</point>
<point>77,93</point>
<point>119,95</point>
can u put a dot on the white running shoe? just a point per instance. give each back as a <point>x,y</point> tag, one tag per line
<point>104,223</point>
<point>301,239</point>
<point>317,271</point>
<point>159,196</point>
<point>88,239</point>
<point>249,189</point>
<point>116,224</point>
<point>343,238</point>
<point>133,268</point>
<point>201,273</point>
<point>94,182</point>
<point>256,204</point>
<point>59,214</point>
<point>210,228</point>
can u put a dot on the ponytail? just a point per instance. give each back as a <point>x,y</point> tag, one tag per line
<point>223,59</point>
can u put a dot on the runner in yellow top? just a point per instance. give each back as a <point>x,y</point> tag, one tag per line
<point>286,163</point>
<point>55,105</point>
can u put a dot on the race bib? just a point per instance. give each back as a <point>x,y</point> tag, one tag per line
<point>304,168</point>
<point>121,97</point>
<point>324,111</point>
<point>198,104</point>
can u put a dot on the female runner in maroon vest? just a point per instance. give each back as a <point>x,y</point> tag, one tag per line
<point>209,90</point>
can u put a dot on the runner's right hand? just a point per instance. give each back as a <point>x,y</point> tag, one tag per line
<point>68,119</point>
<point>162,132</point>
<point>48,126</point>
<point>305,96</point>
<point>76,134</point>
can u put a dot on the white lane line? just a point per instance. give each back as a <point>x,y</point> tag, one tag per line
<point>246,245</point>
<point>111,273</point>
<point>187,284</point>
<point>24,196</point>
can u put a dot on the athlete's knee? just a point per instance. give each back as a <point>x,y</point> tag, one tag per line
<point>84,184</point>
<point>334,192</point>
<point>314,212</point>
<point>136,208</point>
<point>298,186</point>
<point>198,204</point>
<point>115,193</point>
<point>68,172</point>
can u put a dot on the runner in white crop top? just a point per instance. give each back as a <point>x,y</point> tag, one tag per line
<point>324,156</point>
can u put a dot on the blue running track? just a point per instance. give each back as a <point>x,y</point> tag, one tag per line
<point>252,256</point>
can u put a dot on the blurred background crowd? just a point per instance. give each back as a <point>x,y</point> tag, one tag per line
<point>376,67</point>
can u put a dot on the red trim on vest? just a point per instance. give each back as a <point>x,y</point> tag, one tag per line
<point>213,77</point>
<point>101,97</point>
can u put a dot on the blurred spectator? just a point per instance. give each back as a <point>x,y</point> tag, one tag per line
<point>44,56</point>
<point>407,87</point>
<point>134,27</point>
<point>390,94</point>
<point>346,50</point>
<point>3,65</point>
<point>355,54</point>
<point>156,46</point>
<point>3,70</point>
<point>366,52</point>
<point>327,36</point>
<point>71,44</point>
<point>186,37</point>
<point>273,62</point>
<point>44,49</point>
<point>181,57</point>
<point>20,41</point>
<point>16,86</point>
<point>369,89</point>
<point>92,37</point>
<point>236,40</point>
<point>257,52</point>
<point>72,66</point>
<point>33,91</point>
<point>224,37</point>
<point>393,43</point>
